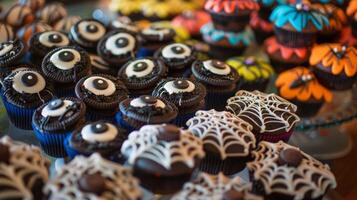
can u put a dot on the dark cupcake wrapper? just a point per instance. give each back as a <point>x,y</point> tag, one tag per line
<point>281,66</point>
<point>122,123</point>
<point>231,23</point>
<point>334,82</point>
<point>95,115</point>
<point>328,37</point>
<point>225,52</point>
<point>213,165</point>
<point>307,109</point>
<point>182,118</point>
<point>64,90</point>
<point>19,117</point>
<point>218,100</point>
<point>353,27</point>
<point>261,36</point>
<point>274,138</point>
<point>295,39</point>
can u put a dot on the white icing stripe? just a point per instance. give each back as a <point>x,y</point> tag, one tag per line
<point>88,84</point>
<point>223,131</point>
<point>171,89</point>
<point>6,48</point>
<point>118,24</point>
<point>65,65</point>
<point>151,31</point>
<point>19,86</point>
<point>83,32</point>
<point>129,71</point>
<point>167,51</point>
<point>47,112</point>
<point>44,39</point>
<point>107,136</point>
<point>208,65</point>
<point>138,103</point>
<point>110,44</point>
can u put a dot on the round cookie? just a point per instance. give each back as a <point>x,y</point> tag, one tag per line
<point>125,23</point>
<point>52,13</point>
<point>18,15</point>
<point>6,33</point>
<point>11,53</point>
<point>33,4</point>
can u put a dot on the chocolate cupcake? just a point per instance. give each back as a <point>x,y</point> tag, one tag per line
<point>96,137</point>
<point>87,33</point>
<point>225,44</point>
<point>65,24</point>
<point>100,66</point>
<point>102,95</point>
<point>118,47</point>
<point>227,141</point>
<point>6,33</point>
<point>231,15</point>
<point>11,53</point>
<point>22,92</point>
<point>52,13</point>
<point>300,86</point>
<point>335,65</point>
<point>44,42</point>
<point>272,117</point>
<point>93,178</point>
<point>163,157</point>
<point>64,66</point>
<point>23,171</point>
<point>33,4</point>
<point>216,187</point>
<point>154,37</point>
<point>254,72</point>
<point>281,171</point>
<point>220,80</point>
<point>54,121</point>
<point>143,110</point>
<point>123,23</point>
<point>141,75</point>
<point>26,32</point>
<point>352,14</point>
<point>188,96</point>
<point>178,57</point>
<point>18,15</point>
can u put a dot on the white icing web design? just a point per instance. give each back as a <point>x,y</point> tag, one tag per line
<point>213,187</point>
<point>25,169</point>
<point>224,131</point>
<point>119,181</point>
<point>311,176</point>
<point>267,112</point>
<point>144,144</point>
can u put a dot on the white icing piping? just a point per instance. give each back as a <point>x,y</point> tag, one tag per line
<point>171,89</point>
<point>47,112</point>
<point>107,136</point>
<point>93,37</point>
<point>88,84</point>
<point>65,65</point>
<point>129,71</point>
<point>138,103</point>
<point>19,87</point>
<point>44,39</point>
<point>208,65</point>
<point>168,53</point>
<point>110,44</point>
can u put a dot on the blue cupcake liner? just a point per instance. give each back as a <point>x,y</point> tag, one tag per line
<point>122,123</point>
<point>145,52</point>
<point>52,143</point>
<point>217,100</point>
<point>181,119</point>
<point>96,116</point>
<point>19,117</point>
<point>64,92</point>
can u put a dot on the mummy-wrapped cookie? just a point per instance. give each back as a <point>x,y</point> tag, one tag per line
<point>93,178</point>
<point>102,95</point>
<point>145,109</point>
<point>118,47</point>
<point>216,187</point>
<point>54,121</point>
<point>6,33</point>
<point>65,24</point>
<point>18,15</point>
<point>123,23</point>
<point>33,4</point>
<point>23,171</point>
<point>100,137</point>
<point>272,117</point>
<point>22,92</point>
<point>64,66</point>
<point>163,156</point>
<point>154,37</point>
<point>87,32</point>
<point>281,171</point>
<point>52,13</point>
<point>187,95</point>
<point>141,75</point>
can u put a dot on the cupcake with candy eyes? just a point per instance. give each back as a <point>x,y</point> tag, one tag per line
<point>254,73</point>
<point>281,171</point>
<point>65,24</point>
<point>93,178</point>
<point>22,92</point>
<point>11,54</point>
<point>100,137</point>
<point>54,121</point>
<point>64,66</point>
<point>188,96</point>
<point>272,117</point>
<point>300,86</point>
<point>220,80</point>
<point>6,33</point>
<point>163,157</point>
<point>42,43</point>
<point>100,66</point>
<point>335,65</point>
<point>18,15</point>
<point>118,47</point>
<point>137,112</point>
<point>52,13</point>
<point>102,95</point>
<point>87,33</point>
<point>141,75</point>
<point>192,21</point>
<point>227,141</point>
<point>154,37</point>
<point>178,57</point>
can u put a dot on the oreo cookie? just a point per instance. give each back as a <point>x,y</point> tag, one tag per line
<point>11,53</point>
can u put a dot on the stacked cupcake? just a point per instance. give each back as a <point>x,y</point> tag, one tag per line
<point>228,34</point>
